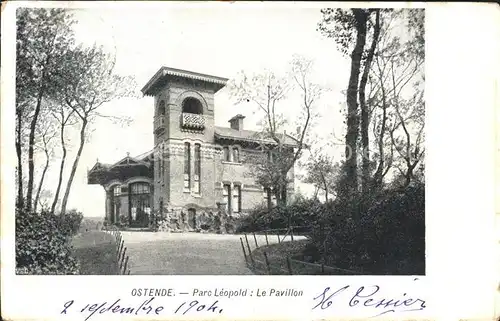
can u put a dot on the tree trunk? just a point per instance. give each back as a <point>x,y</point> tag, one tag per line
<point>352,104</point>
<point>365,176</point>
<point>35,203</point>
<point>20,199</point>
<point>31,165</point>
<point>61,169</point>
<point>75,166</point>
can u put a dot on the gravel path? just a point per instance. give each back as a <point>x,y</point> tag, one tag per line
<point>188,253</point>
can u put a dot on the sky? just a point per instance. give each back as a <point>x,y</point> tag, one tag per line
<point>222,41</point>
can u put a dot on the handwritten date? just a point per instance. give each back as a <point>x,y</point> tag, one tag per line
<point>147,307</point>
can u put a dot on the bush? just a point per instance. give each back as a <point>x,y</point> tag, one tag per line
<point>70,222</point>
<point>300,213</point>
<point>386,238</point>
<point>43,244</point>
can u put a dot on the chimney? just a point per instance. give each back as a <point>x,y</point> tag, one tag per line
<point>237,122</point>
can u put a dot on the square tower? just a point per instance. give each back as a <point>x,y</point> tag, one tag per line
<point>184,136</point>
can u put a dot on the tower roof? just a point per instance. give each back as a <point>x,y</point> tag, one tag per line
<point>164,73</point>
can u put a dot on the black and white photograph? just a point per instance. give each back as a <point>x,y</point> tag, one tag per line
<point>220,140</point>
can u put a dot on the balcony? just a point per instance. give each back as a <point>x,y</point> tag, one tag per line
<point>159,123</point>
<point>193,121</point>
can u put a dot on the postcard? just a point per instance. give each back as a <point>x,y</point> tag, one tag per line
<point>249,161</point>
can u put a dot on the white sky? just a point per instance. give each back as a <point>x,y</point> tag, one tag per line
<point>214,40</point>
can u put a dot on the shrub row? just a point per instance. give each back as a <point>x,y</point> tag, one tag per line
<point>382,235</point>
<point>300,213</point>
<point>43,242</point>
<point>371,234</point>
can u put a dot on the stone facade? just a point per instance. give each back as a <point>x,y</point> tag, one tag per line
<point>199,175</point>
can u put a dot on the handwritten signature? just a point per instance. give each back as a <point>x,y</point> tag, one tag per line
<point>366,297</point>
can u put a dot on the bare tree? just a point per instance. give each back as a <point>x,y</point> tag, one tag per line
<point>397,121</point>
<point>268,91</point>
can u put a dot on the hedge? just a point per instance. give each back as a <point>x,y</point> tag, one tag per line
<point>43,242</point>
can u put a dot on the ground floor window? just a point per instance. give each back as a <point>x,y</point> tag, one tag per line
<point>139,202</point>
<point>226,195</point>
<point>269,197</point>
<point>116,204</point>
<point>236,204</point>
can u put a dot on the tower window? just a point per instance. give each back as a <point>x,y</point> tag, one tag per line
<point>197,167</point>
<point>192,106</point>
<point>187,162</point>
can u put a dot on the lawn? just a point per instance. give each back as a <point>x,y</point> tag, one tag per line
<point>277,255</point>
<point>96,252</point>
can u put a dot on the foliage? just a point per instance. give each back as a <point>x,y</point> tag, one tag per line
<point>322,172</point>
<point>57,77</point>
<point>96,85</point>
<point>43,243</point>
<point>390,120</point>
<point>389,238</point>
<point>70,222</point>
<point>123,221</point>
<point>43,36</point>
<point>301,213</point>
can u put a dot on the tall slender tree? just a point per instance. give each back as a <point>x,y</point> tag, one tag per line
<point>96,85</point>
<point>43,36</point>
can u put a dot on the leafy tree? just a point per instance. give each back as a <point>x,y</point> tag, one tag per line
<point>322,172</point>
<point>43,36</point>
<point>96,85</point>
<point>392,61</point>
<point>65,117</point>
<point>348,27</point>
<point>46,132</point>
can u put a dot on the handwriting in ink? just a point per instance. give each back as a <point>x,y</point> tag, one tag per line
<point>366,297</point>
<point>194,305</point>
<point>145,308</point>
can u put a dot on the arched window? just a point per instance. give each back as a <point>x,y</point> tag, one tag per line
<point>192,105</point>
<point>161,108</point>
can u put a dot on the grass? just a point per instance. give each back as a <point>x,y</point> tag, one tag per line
<point>96,252</point>
<point>277,255</point>
<point>91,223</point>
